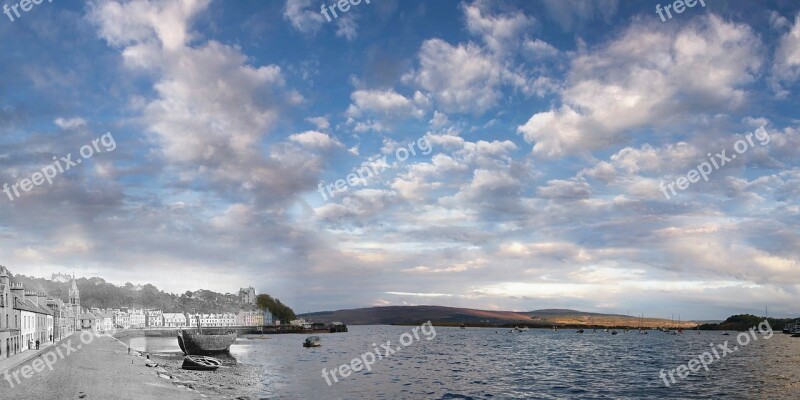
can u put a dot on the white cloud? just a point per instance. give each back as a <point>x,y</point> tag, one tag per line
<point>315,140</point>
<point>303,16</point>
<point>647,77</point>
<point>786,66</point>
<point>499,32</point>
<point>70,123</point>
<point>387,105</point>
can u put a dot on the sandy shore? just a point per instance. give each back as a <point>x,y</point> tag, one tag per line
<point>103,369</point>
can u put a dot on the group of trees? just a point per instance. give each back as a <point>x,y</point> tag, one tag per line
<point>96,292</point>
<point>279,310</point>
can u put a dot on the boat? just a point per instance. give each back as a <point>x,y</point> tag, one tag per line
<point>726,334</point>
<point>523,329</point>
<point>796,335</point>
<point>579,331</point>
<point>201,363</point>
<point>463,326</point>
<point>312,341</point>
<point>208,342</point>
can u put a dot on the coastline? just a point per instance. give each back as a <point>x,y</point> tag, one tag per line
<point>233,380</point>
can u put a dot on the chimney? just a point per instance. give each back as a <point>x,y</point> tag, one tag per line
<point>4,280</point>
<point>31,297</point>
<point>17,290</point>
<point>42,300</point>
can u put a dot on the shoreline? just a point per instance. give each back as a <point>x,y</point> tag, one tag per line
<point>233,380</point>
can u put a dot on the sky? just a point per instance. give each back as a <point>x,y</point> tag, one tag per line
<point>500,155</point>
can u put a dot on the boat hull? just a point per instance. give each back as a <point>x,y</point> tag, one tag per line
<point>201,363</point>
<point>195,343</point>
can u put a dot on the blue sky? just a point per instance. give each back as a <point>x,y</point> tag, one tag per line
<point>552,126</point>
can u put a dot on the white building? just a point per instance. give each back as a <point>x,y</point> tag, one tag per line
<point>137,319</point>
<point>154,319</point>
<point>212,320</point>
<point>174,320</point>
<point>28,329</point>
<point>121,319</point>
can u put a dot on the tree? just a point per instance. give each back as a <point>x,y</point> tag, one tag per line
<point>278,309</point>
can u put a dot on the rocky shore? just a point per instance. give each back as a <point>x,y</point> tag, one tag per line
<point>232,380</point>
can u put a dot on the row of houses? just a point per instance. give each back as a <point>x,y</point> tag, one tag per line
<point>125,318</point>
<point>28,317</point>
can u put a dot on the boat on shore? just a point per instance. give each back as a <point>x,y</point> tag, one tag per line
<point>208,342</point>
<point>201,363</point>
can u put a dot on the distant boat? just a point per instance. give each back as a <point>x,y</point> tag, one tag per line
<point>312,341</point>
<point>726,334</point>
<point>579,331</point>
<point>462,326</point>
<point>201,363</point>
<point>524,329</point>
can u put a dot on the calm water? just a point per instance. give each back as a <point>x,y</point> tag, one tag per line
<point>479,363</point>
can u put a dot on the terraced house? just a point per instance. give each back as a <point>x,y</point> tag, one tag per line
<point>9,320</point>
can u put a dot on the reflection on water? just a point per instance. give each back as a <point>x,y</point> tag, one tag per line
<point>479,363</point>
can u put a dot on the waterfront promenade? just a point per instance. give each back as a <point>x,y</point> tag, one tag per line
<point>101,369</point>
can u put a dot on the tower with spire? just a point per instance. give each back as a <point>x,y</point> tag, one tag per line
<point>75,301</point>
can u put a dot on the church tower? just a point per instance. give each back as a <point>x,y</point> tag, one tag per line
<point>75,302</point>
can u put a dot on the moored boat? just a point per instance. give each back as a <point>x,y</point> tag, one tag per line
<point>312,341</point>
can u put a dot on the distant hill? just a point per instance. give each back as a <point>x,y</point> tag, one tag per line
<point>453,316</point>
<point>743,322</point>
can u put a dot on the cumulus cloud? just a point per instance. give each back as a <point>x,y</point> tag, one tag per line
<point>786,66</point>
<point>646,77</point>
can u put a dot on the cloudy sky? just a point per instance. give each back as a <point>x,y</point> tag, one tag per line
<point>541,132</point>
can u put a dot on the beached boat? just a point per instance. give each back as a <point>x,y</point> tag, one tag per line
<point>312,341</point>
<point>201,363</point>
<point>208,342</point>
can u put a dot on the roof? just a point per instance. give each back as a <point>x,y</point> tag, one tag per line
<point>26,305</point>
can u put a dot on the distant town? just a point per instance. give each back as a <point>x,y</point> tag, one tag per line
<point>29,319</point>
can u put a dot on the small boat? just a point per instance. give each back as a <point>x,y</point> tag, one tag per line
<point>312,341</point>
<point>201,363</point>
<point>524,329</point>
<point>463,326</point>
<point>726,334</point>
<point>796,335</point>
<point>579,331</point>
